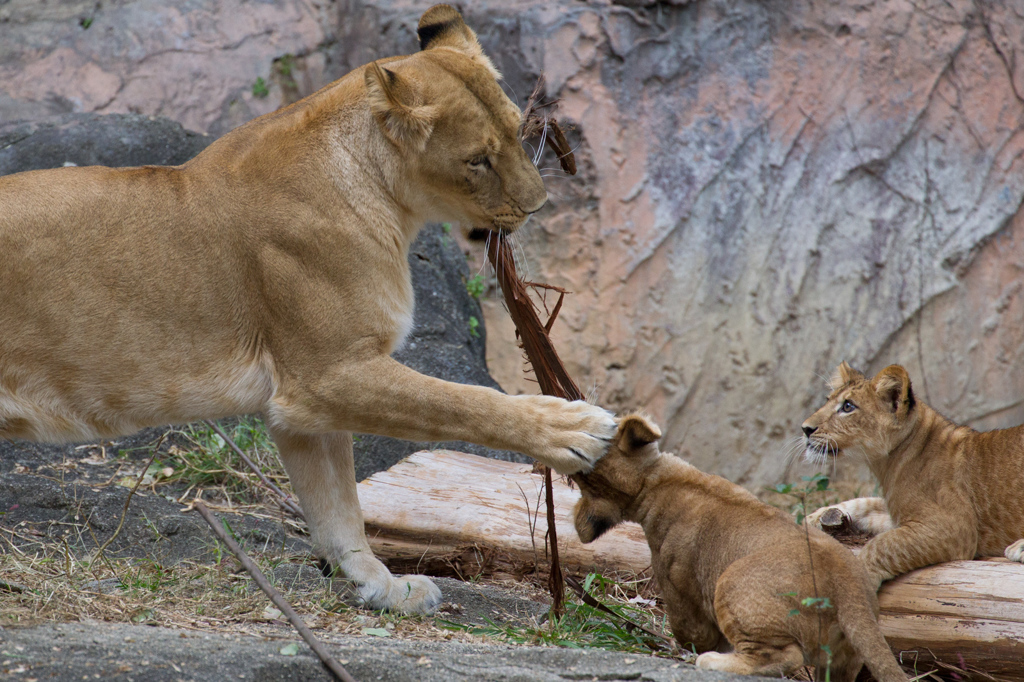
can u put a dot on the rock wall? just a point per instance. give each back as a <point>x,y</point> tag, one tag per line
<point>767,187</point>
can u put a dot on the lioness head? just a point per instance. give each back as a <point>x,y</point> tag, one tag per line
<point>869,416</point>
<point>456,130</point>
<point>617,478</point>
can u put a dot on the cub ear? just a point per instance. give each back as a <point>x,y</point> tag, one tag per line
<point>442,26</point>
<point>892,385</point>
<point>844,376</point>
<point>636,431</point>
<point>398,107</point>
<point>594,517</point>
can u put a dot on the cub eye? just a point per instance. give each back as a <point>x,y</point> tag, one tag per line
<point>480,162</point>
<point>847,407</point>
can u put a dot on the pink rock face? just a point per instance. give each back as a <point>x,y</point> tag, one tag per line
<point>766,188</point>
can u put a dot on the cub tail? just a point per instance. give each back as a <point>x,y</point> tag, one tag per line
<point>860,626</point>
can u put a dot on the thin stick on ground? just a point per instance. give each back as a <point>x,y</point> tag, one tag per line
<point>128,500</point>
<point>286,502</point>
<point>278,600</point>
<point>592,602</point>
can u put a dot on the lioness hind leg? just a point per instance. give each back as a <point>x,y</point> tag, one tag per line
<point>755,659</point>
<point>321,471</point>
<point>1015,552</point>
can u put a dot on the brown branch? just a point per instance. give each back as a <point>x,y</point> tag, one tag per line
<point>279,601</point>
<point>551,375</point>
<point>592,602</point>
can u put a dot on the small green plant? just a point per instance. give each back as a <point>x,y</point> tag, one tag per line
<point>85,23</point>
<point>285,66</point>
<point>586,627</point>
<point>476,285</point>
<point>259,88</point>
<point>473,325</point>
<point>816,484</point>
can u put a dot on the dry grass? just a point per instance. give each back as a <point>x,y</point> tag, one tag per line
<point>49,584</point>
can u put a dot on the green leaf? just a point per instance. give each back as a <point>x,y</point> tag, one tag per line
<point>289,649</point>
<point>259,90</point>
<point>794,612</point>
<point>473,325</point>
<point>376,632</point>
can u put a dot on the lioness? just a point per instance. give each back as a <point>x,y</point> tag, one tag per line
<point>269,274</point>
<point>950,491</point>
<point>734,571</point>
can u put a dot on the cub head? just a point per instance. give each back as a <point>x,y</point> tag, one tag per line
<point>455,129</point>
<point>864,415</point>
<point>618,477</point>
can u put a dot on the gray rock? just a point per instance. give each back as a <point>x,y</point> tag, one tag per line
<point>63,653</point>
<point>96,140</point>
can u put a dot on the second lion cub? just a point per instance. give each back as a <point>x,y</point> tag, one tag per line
<point>732,570</point>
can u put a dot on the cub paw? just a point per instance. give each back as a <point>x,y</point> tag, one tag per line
<point>1015,552</point>
<point>712,660</point>
<point>814,518</point>
<point>570,436</point>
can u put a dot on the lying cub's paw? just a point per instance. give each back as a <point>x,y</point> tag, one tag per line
<point>569,436</point>
<point>1015,552</point>
<point>814,518</point>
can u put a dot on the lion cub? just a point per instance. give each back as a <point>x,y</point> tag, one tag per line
<point>733,568</point>
<point>950,492</point>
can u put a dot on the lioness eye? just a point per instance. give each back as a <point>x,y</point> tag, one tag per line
<point>847,406</point>
<point>480,162</point>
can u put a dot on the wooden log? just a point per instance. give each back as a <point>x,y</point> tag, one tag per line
<point>449,513</point>
<point>486,516</point>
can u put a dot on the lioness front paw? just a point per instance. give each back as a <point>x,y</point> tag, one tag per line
<point>411,594</point>
<point>569,436</point>
<point>375,588</point>
<point>1015,552</point>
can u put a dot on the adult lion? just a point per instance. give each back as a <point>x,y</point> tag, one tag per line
<point>269,274</point>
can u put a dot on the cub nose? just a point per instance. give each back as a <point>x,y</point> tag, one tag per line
<point>808,430</point>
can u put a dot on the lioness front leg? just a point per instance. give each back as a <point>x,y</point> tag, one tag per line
<point>321,471</point>
<point>381,396</point>
<point>867,514</point>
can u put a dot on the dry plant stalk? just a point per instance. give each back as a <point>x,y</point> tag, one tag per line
<point>279,601</point>
<point>551,376</point>
<point>533,335</point>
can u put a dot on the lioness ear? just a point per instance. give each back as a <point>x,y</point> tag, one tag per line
<point>635,431</point>
<point>442,26</point>
<point>843,376</point>
<point>398,107</point>
<point>594,517</point>
<point>892,385</point>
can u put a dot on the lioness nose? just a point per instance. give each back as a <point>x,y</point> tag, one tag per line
<point>539,205</point>
<point>808,430</point>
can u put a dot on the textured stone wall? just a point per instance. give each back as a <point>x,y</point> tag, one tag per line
<point>766,187</point>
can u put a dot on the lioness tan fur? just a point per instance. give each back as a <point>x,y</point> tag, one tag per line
<point>950,492</point>
<point>733,570</point>
<point>269,274</point>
